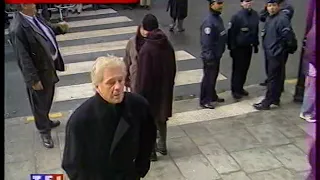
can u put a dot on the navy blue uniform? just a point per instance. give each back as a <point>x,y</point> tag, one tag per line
<point>213,39</point>
<point>243,36</point>
<point>277,33</point>
<point>287,10</point>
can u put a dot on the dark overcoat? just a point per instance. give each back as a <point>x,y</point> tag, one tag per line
<point>156,74</point>
<point>91,152</point>
<point>178,8</point>
<point>32,51</point>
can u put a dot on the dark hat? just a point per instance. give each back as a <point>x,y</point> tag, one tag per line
<point>245,0</point>
<point>150,22</point>
<point>218,1</point>
<point>272,1</point>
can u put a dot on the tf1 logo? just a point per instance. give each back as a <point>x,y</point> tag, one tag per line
<point>46,176</point>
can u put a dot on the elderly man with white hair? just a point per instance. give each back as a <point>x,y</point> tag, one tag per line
<point>111,135</point>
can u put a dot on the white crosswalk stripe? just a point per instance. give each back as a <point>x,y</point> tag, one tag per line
<point>97,33</point>
<point>95,22</point>
<point>84,67</point>
<point>93,48</point>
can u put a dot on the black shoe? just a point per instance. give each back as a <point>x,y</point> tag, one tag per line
<point>162,149</point>
<point>219,100</point>
<point>261,106</point>
<point>207,106</point>
<point>244,93</point>
<point>181,30</point>
<point>55,124</point>
<point>236,96</point>
<point>263,83</point>
<point>153,156</point>
<point>277,103</point>
<point>47,140</point>
<point>147,7</point>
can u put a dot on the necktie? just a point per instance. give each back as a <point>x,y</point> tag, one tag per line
<point>52,47</point>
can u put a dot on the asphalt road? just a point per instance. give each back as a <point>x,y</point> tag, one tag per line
<point>16,102</point>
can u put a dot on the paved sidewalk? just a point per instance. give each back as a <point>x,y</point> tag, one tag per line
<point>267,145</point>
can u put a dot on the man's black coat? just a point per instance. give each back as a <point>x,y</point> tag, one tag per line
<point>109,142</point>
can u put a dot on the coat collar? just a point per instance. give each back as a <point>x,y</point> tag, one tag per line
<point>124,122</point>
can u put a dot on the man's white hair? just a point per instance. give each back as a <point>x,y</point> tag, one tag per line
<point>102,63</point>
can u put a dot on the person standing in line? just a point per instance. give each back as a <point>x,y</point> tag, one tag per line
<point>145,4</point>
<point>38,55</point>
<point>155,77</point>
<point>131,57</point>
<point>287,10</point>
<point>278,41</point>
<point>213,39</point>
<point>111,135</point>
<point>308,109</point>
<point>178,12</point>
<point>243,39</point>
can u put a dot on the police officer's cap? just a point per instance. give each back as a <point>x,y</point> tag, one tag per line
<point>245,0</point>
<point>272,1</point>
<point>218,1</point>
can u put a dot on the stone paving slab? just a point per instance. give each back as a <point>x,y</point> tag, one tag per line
<point>267,145</point>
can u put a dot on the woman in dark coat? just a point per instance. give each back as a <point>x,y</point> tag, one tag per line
<point>155,76</point>
<point>178,12</point>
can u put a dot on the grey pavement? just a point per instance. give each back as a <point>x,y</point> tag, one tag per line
<point>266,145</point>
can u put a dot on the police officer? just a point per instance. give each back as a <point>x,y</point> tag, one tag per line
<point>277,38</point>
<point>213,39</point>
<point>243,39</point>
<point>287,10</point>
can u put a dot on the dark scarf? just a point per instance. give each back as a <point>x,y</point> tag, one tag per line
<point>140,40</point>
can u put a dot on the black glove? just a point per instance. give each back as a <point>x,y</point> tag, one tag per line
<point>255,49</point>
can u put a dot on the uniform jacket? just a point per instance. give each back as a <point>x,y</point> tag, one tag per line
<point>276,34</point>
<point>243,29</point>
<point>213,37</point>
<point>91,152</point>
<point>156,74</point>
<point>178,8</point>
<point>285,8</point>
<point>33,53</point>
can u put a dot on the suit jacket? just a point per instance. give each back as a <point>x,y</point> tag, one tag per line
<point>32,51</point>
<point>105,144</point>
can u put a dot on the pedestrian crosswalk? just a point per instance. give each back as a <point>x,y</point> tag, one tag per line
<point>102,32</point>
<point>93,43</point>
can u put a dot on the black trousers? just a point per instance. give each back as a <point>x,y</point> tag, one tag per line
<point>209,80</point>
<point>275,80</point>
<point>286,56</point>
<point>241,58</point>
<point>41,102</point>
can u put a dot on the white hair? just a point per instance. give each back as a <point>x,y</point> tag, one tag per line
<point>103,63</point>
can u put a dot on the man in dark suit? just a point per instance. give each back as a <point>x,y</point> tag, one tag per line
<point>38,56</point>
